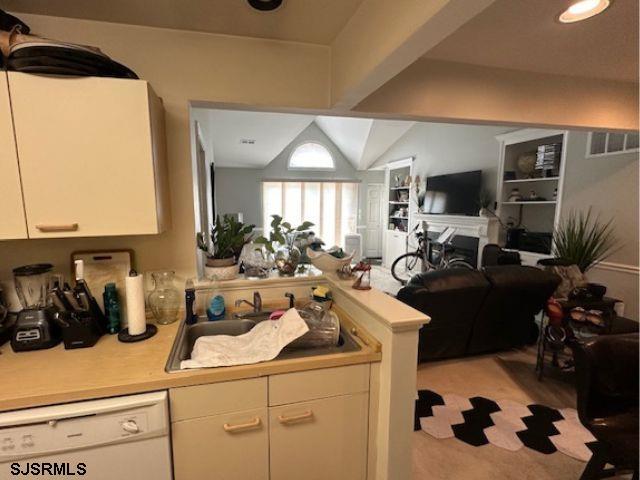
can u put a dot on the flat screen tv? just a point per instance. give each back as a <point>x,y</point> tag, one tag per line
<point>453,194</point>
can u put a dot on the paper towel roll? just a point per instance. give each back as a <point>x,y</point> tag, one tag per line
<point>134,290</point>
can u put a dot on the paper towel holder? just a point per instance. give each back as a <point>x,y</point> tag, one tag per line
<point>149,332</point>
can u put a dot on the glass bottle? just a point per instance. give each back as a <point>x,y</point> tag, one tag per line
<point>164,300</point>
<point>111,307</point>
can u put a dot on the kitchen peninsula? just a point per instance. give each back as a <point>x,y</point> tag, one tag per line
<point>373,386</point>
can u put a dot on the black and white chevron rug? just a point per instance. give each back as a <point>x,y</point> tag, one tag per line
<point>506,424</point>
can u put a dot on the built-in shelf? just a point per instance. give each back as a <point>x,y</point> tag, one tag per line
<point>399,188</point>
<point>398,217</point>
<point>398,203</point>
<point>533,202</point>
<point>526,180</point>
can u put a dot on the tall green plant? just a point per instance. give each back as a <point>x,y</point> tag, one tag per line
<point>584,240</point>
<point>228,236</point>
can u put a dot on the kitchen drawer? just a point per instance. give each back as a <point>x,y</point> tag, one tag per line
<point>320,440</point>
<point>216,398</point>
<point>322,383</point>
<point>231,446</point>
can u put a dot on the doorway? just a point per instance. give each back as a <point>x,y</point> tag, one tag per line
<point>373,238</point>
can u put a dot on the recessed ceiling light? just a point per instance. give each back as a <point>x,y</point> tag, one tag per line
<point>265,5</point>
<point>583,9</point>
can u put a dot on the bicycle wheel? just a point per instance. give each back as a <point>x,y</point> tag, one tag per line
<point>460,263</point>
<point>406,266</point>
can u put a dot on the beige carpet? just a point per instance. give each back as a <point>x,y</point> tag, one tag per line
<point>501,376</point>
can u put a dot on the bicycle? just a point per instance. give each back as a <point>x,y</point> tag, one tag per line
<point>407,265</point>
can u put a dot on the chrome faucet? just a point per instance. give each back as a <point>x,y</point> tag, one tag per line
<point>256,305</point>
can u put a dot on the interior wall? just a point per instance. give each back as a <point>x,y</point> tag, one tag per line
<point>441,91</point>
<point>446,148</point>
<point>240,189</point>
<point>609,185</point>
<point>181,66</point>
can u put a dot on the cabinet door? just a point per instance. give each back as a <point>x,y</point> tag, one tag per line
<point>86,155</point>
<point>320,440</point>
<point>12,222</point>
<point>232,446</point>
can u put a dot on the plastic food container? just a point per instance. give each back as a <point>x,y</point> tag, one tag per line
<point>324,327</point>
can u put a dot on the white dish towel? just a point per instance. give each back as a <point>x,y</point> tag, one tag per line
<point>262,343</point>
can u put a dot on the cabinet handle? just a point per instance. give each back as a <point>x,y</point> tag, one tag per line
<point>295,418</point>
<point>242,426</point>
<point>355,333</point>
<point>69,227</point>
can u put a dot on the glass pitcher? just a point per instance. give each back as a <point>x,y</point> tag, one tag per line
<point>164,300</point>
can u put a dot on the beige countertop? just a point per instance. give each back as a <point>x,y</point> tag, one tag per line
<point>112,368</point>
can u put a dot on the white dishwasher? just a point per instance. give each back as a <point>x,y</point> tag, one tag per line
<point>114,438</point>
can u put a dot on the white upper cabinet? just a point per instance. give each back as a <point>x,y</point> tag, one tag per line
<point>12,222</point>
<point>92,155</point>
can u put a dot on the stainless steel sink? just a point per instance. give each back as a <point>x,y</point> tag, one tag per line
<point>188,334</point>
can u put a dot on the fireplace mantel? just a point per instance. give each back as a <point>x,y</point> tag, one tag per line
<point>485,229</point>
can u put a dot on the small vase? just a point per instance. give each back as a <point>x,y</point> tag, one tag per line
<point>258,263</point>
<point>164,300</point>
<point>287,260</point>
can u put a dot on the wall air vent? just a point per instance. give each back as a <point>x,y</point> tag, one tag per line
<point>247,141</point>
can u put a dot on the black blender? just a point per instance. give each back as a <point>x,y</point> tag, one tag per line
<point>35,326</point>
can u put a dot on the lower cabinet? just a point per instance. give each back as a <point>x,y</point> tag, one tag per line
<point>320,440</point>
<point>309,425</point>
<point>232,446</point>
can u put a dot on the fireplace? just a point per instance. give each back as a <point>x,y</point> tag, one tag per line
<point>471,233</point>
<point>465,247</point>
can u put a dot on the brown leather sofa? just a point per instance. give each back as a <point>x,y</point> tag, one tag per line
<point>476,312</point>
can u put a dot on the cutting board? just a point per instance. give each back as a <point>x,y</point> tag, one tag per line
<point>102,267</point>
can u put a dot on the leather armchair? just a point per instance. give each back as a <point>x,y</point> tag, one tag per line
<point>607,389</point>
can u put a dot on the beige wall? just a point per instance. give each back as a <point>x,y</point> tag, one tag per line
<point>609,185</point>
<point>182,66</point>
<point>441,91</point>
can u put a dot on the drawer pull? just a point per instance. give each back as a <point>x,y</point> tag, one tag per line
<point>255,423</point>
<point>295,418</point>
<point>69,227</point>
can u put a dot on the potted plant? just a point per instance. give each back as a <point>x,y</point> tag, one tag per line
<point>228,236</point>
<point>584,240</point>
<point>484,202</point>
<point>281,242</point>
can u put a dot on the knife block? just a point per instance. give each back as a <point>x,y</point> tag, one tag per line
<point>82,330</point>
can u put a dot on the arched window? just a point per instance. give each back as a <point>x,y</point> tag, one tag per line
<point>311,156</point>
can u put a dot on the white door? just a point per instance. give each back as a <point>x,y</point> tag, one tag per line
<point>373,238</point>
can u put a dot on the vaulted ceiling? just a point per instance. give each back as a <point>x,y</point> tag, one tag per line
<point>245,139</point>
